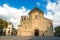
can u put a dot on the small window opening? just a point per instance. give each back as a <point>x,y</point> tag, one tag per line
<point>24,18</point>
<point>36,16</point>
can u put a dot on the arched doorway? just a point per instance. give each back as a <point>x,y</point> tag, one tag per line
<point>36,32</point>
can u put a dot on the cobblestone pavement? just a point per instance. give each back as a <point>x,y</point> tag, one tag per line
<point>28,38</point>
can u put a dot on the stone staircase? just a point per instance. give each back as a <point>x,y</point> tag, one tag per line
<point>28,38</point>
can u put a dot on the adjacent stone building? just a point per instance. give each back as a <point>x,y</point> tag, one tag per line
<point>35,24</point>
<point>9,29</point>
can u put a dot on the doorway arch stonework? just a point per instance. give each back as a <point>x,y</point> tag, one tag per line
<point>36,32</point>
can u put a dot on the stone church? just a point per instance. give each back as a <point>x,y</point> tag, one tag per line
<point>35,24</point>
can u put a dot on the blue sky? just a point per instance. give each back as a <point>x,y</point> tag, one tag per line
<point>29,4</point>
<point>19,3</point>
<point>11,10</point>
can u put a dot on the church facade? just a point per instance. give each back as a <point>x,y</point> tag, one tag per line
<point>35,24</point>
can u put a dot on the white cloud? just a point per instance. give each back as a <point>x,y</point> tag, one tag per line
<point>53,12</point>
<point>49,15</point>
<point>12,14</point>
<point>38,3</point>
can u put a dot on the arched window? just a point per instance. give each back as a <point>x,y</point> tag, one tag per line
<point>36,16</point>
<point>24,18</point>
<point>9,31</point>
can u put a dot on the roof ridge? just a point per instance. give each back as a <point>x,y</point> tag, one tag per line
<point>35,9</point>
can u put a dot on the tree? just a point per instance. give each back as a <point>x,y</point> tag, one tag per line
<point>57,31</point>
<point>3,24</point>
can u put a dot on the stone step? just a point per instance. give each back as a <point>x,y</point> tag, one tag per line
<point>28,38</point>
